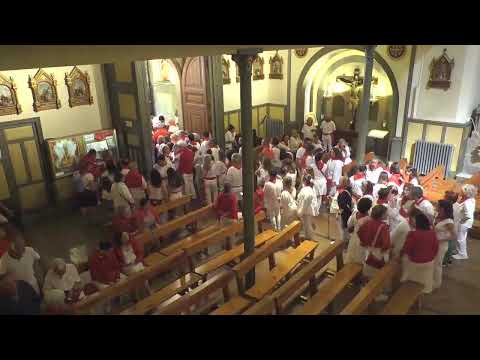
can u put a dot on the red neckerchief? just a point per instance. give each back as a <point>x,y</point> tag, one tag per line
<point>372,167</point>
<point>340,189</point>
<point>273,179</point>
<point>194,143</point>
<point>419,201</point>
<point>358,176</point>
<point>397,179</point>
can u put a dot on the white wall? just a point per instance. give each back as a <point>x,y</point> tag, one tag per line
<point>263,91</point>
<point>470,88</point>
<point>66,120</point>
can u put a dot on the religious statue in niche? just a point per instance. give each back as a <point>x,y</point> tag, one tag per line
<point>300,53</point>
<point>276,67</point>
<point>44,90</point>
<point>8,97</point>
<point>440,72</point>
<point>257,68</point>
<point>165,71</point>
<point>226,70</point>
<point>396,51</point>
<point>78,84</point>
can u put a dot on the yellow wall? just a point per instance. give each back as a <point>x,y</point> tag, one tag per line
<point>66,120</point>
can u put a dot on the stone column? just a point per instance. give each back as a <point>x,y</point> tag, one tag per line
<point>365,105</point>
<point>216,98</point>
<point>244,60</point>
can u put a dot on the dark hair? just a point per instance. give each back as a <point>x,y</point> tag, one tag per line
<point>105,245</point>
<point>106,184</point>
<point>125,162</point>
<point>362,168</point>
<point>384,192</point>
<point>118,176</point>
<point>337,151</point>
<point>275,141</point>
<point>117,238</point>
<point>221,155</point>
<point>272,172</point>
<point>368,187</point>
<point>111,166</point>
<point>447,207</point>
<point>414,211</point>
<point>143,202</point>
<point>422,222</point>
<point>310,148</point>
<point>451,196</point>
<point>160,157</point>
<point>353,170</point>
<point>307,179</point>
<point>395,168</point>
<point>191,137</point>
<point>383,177</point>
<point>378,211</point>
<point>155,178</point>
<point>174,178</point>
<point>229,154</point>
<point>206,134</point>
<point>92,152</point>
<point>230,127</point>
<point>363,205</point>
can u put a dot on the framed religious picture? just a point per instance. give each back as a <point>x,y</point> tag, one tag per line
<point>78,84</point>
<point>300,53</point>
<point>237,73</point>
<point>441,72</point>
<point>8,97</point>
<point>44,90</point>
<point>257,68</point>
<point>396,51</point>
<point>276,67</point>
<point>226,70</point>
<point>65,153</point>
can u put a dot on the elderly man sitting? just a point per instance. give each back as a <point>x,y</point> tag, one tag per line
<point>64,277</point>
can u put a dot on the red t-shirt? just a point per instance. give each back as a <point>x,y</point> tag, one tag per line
<point>134,179</point>
<point>185,163</point>
<point>104,268</point>
<point>421,246</point>
<point>122,224</point>
<point>227,205</point>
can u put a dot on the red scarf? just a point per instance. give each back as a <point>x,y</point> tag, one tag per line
<point>133,179</point>
<point>273,179</point>
<point>397,179</point>
<point>358,176</point>
<point>419,201</point>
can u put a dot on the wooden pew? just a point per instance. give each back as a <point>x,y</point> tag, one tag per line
<point>134,281</point>
<point>278,272</point>
<point>327,294</point>
<point>403,299</point>
<point>374,287</point>
<point>170,205</point>
<point>266,306</point>
<point>201,293</point>
<point>426,181</point>
<point>294,286</point>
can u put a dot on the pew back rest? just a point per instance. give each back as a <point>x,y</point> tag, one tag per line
<point>184,220</point>
<point>270,248</point>
<point>308,272</point>
<point>131,283</point>
<point>266,306</point>
<point>183,305</point>
<point>169,205</point>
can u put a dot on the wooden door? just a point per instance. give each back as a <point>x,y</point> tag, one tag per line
<point>22,164</point>
<point>194,96</point>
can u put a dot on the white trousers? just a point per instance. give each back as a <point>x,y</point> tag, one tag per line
<point>307,226</point>
<point>438,271</point>
<point>288,217</point>
<point>211,190</point>
<point>421,273</point>
<point>462,241</point>
<point>189,188</point>
<point>275,218</point>
<point>327,142</point>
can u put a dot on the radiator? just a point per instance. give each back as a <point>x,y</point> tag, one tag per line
<point>429,155</point>
<point>273,127</point>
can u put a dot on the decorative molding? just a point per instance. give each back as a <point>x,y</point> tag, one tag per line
<point>44,91</point>
<point>226,71</point>
<point>276,67</point>
<point>8,97</point>
<point>78,84</point>
<point>441,72</point>
<point>396,52</point>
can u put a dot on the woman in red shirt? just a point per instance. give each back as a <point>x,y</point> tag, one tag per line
<point>104,266</point>
<point>226,204</point>
<point>419,252</point>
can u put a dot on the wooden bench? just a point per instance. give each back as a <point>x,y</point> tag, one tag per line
<point>327,294</point>
<point>132,282</point>
<point>201,293</point>
<point>182,243</point>
<point>374,287</point>
<point>438,172</point>
<point>294,286</point>
<point>403,299</point>
<point>170,205</point>
<point>278,272</point>
<point>266,306</point>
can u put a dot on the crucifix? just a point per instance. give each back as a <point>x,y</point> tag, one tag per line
<point>355,82</point>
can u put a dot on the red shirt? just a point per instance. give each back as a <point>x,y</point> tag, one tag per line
<point>137,247</point>
<point>141,213</point>
<point>421,246</point>
<point>162,132</point>
<point>134,179</point>
<point>258,198</point>
<point>104,267</point>
<point>367,232</point>
<point>122,224</point>
<point>185,163</point>
<point>226,205</point>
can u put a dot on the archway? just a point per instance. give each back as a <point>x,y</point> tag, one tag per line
<point>331,61</point>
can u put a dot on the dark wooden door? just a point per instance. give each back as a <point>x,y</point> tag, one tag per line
<point>194,95</point>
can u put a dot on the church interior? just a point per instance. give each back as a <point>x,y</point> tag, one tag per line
<point>411,106</point>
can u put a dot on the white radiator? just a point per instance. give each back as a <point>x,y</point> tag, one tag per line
<point>429,155</point>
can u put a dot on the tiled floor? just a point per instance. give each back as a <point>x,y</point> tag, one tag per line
<point>55,234</point>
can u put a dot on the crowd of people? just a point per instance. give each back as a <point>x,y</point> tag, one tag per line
<point>380,210</point>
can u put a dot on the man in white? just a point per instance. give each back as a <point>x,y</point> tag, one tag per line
<point>421,203</point>
<point>64,277</point>
<point>307,206</point>
<point>309,129</point>
<point>120,193</point>
<point>373,172</point>
<point>234,176</point>
<point>229,137</point>
<point>20,261</point>
<point>272,190</point>
<point>328,127</point>
<point>205,145</point>
<point>464,216</point>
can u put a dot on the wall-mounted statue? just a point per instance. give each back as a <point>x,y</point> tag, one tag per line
<point>44,90</point>
<point>78,84</point>
<point>440,72</point>
<point>257,68</point>
<point>276,67</point>
<point>8,97</point>
<point>226,71</point>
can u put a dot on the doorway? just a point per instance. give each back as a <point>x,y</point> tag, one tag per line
<point>23,184</point>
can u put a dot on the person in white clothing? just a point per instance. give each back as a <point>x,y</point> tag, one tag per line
<point>64,277</point>
<point>357,181</point>
<point>272,191</point>
<point>373,172</point>
<point>204,146</point>
<point>20,261</point>
<point>464,219</point>
<point>445,231</point>
<point>317,144</point>
<point>345,149</point>
<point>210,179</point>
<point>294,141</point>
<point>307,206</point>
<point>425,206</point>
<point>213,147</point>
<point>328,128</point>
<point>276,150</point>
<point>234,176</point>
<point>288,204</point>
<point>309,129</point>
<point>381,184</point>
<point>220,169</point>
<point>355,253</point>
<point>334,169</point>
<point>121,196</point>
<point>229,137</point>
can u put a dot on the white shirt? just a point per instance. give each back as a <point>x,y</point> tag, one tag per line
<point>287,201</point>
<point>87,179</point>
<point>215,151</point>
<point>466,210</point>
<point>65,283</point>
<point>300,153</point>
<point>204,147</point>
<point>234,177</point>
<point>229,139</point>
<point>376,188</point>
<point>441,230</point>
<point>327,127</point>
<point>426,207</point>
<point>307,201</point>
<point>334,170</point>
<point>272,192</point>
<point>399,235</point>
<point>372,175</point>
<point>357,185</point>
<point>294,143</point>
<point>308,131</point>
<point>121,196</point>
<point>21,269</point>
